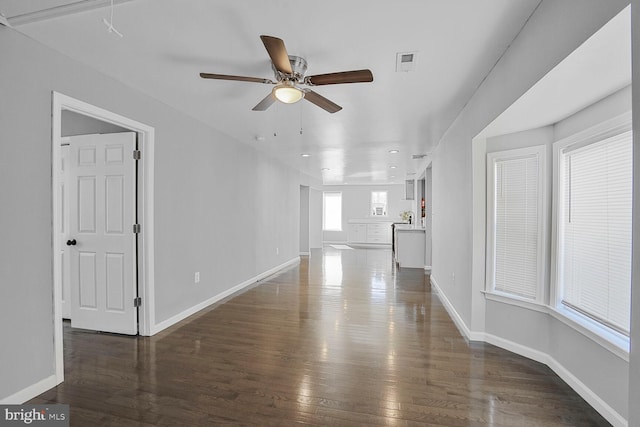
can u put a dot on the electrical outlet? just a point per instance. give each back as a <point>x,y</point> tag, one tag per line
<point>453,277</point>
<point>196,277</point>
<point>277,251</point>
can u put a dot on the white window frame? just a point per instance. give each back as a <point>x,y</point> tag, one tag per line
<point>386,204</point>
<point>615,341</point>
<point>492,158</point>
<point>324,211</point>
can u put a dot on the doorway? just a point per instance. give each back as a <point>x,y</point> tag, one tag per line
<point>304,220</point>
<point>102,233</point>
<point>143,199</point>
<point>428,217</point>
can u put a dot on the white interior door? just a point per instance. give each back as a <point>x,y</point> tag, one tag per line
<point>63,229</point>
<point>101,239</point>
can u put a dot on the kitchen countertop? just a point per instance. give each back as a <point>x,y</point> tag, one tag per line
<point>370,221</point>
<point>409,227</point>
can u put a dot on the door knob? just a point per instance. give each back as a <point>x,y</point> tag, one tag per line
<point>71,242</point>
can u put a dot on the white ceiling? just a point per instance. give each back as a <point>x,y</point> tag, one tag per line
<point>167,43</point>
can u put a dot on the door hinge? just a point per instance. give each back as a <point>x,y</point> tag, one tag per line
<point>136,228</point>
<point>137,301</point>
<point>137,155</point>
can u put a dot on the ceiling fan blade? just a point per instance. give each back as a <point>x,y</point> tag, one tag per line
<point>358,76</point>
<point>236,78</point>
<point>278,53</point>
<point>321,101</point>
<point>265,103</point>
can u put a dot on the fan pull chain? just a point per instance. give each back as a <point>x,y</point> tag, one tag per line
<point>109,24</point>
<point>301,118</point>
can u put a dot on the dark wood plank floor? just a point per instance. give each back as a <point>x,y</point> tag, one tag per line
<point>342,339</point>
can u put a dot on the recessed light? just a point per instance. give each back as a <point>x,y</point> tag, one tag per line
<point>305,155</point>
<point>325,169</point>
<point>392,176</point>
<point>392,167</point>
<point>394,151</point>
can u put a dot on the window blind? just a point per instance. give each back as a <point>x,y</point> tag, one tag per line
<point>379,203</point>
<point>595,238</point>
<point>516,226</point>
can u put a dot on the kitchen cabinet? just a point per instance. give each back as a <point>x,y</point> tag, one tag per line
<point>357,233</point>
<point>379,233</point>
<point>410,246</point>
<point>371,232</point>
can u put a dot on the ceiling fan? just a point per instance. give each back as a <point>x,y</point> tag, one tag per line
<point>289,74</point>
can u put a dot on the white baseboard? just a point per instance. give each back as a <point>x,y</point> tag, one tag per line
<point>204,304</point>
<point>457,319</point>
<point>305,253</point>
<point>30,392</point>
<point>574,382</point>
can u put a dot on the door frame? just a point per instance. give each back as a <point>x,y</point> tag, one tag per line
<point>145,259</point>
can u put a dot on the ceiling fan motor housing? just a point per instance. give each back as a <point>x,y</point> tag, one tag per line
<point>299,67</point>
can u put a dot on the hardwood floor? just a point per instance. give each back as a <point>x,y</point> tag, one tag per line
<point>342,339</point>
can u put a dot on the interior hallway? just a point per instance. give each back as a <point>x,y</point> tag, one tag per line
<point>344,338</point>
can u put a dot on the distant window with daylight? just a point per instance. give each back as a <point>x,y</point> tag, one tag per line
<point>594,234</point>
<point>332,211</point>
<point>515,215</point>
<point>379,203</point>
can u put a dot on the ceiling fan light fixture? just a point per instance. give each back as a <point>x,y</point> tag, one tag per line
<point>286,92</point>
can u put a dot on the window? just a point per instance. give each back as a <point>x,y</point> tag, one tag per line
<point>332,211</point>
<point>379,203</point>
<point>515,223</point>
<point>594,230</point>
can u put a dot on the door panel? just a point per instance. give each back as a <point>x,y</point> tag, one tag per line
<point>115,282</point>
<point>86,206</point>
<point>115,204</point>
<point>87,283</point>
<point>102,203</point>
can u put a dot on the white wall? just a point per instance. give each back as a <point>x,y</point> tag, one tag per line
<point>601,372</point>
<point>613,105</point>
<point>545,40</point>
<point>216,211</point>
<point>77,124</point>
<point>634,362</point>
<point>356,202</point>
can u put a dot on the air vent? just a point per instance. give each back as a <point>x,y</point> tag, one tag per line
<point>418,156</point>
<point>406,61</point>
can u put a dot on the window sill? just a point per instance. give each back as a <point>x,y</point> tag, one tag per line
<point>610,340</point>
<point>515,300</point>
